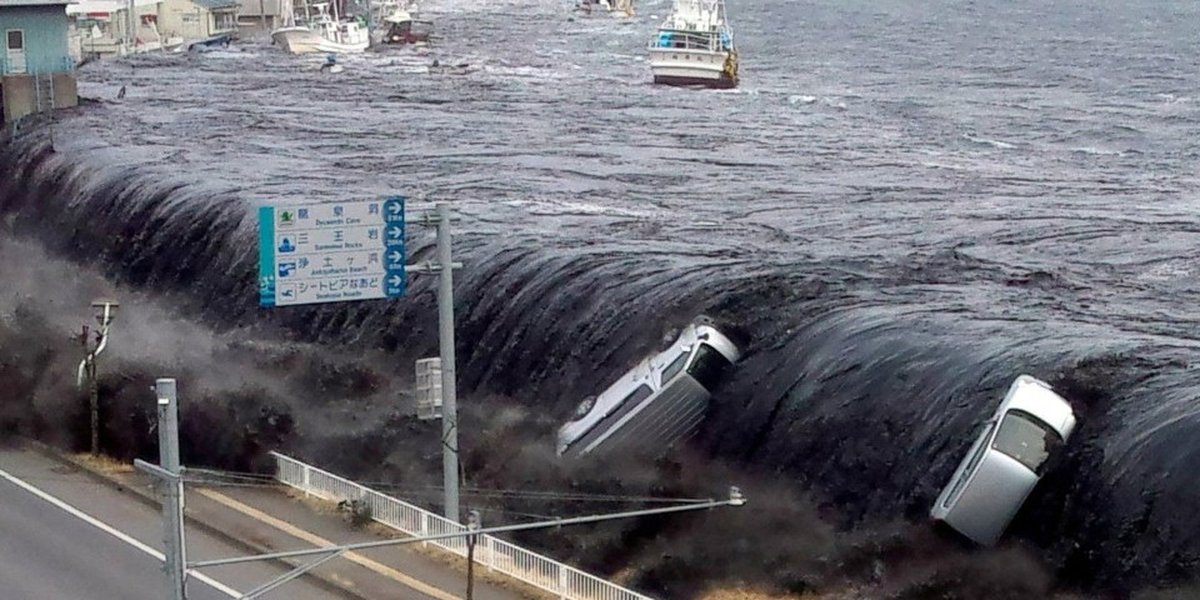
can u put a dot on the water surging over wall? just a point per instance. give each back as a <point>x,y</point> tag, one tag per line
<point>860,384</point>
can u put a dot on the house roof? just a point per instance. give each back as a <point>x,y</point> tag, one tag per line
<point>84,7</point>
<point>5,3</point>
<point>211,4</point>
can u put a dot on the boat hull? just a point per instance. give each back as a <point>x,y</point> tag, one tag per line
<point>721,83</point>
<point>302,40</point>
<point>678,67</point>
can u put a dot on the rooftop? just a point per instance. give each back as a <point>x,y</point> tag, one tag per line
<point>81,7</point>
<point>211,4</point>
<point>6,3</point>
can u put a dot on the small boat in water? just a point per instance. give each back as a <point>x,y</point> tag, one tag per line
<point>398,25</point>
<point>623,7</point>
<point>694,46</point>
<point>321,32</point>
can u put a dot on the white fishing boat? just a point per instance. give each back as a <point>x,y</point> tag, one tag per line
<point>317,30</point>
<point>694,46</point>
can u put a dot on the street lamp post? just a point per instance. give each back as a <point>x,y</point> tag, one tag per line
<point>104,311</point>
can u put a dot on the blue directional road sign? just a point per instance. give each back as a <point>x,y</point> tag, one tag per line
<point>332,252</point>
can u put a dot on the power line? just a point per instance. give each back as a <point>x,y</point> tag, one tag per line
<point>428,490</point>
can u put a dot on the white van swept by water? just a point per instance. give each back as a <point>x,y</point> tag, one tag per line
<point>1031,425</point>
<point>656,404</point>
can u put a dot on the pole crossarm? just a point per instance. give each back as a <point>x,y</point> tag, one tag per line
<point>735,499</point>
<point>156,470</point>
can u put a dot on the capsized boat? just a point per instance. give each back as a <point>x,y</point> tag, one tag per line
<point>694,46</point>
<point>398,25</point>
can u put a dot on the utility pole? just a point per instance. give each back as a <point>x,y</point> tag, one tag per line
<point>94,402</point>
<point>446,342</point>
<point>105,311</point>
<point>170,474</point>
<point>89,371</point>
<point>132,24</point>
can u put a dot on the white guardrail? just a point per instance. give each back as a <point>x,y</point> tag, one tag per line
<point>495,554</point>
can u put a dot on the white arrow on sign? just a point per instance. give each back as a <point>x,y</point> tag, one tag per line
<point>395,232</point>
<point>395,208</point>
<point>395,280</point>
<point>396,256</point>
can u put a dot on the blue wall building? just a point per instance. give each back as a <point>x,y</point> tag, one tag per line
<point>36,70</point>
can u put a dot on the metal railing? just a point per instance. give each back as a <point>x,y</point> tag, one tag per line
<point>717,41</point>
<point>497,555</point>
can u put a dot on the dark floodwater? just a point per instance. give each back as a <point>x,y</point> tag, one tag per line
<point>905,205</point>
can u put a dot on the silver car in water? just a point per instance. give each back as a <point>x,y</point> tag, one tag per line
<point>1007,460</point>
<point>656,404</point>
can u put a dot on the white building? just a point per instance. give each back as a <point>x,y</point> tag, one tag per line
<point>196,20</point>
<point>101,27</point>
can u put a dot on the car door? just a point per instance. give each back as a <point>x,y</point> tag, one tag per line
<point>14,44</point>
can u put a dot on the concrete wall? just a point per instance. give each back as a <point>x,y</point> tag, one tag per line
<point>253,24</point>
<point>19,97</point>
<point>45,30</point>
<point>66,90</point>
<point>183,18</point>
<point>251,11</point>
<point>19,94</point>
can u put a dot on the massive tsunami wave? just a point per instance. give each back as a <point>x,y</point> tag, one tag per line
<point>892,263</point>
<point>861,388</point>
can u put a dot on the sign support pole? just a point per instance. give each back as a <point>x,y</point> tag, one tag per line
<point>446,342</point>
<point>168,452</point>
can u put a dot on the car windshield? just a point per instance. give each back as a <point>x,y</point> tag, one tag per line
<point>1027,439</point>
<point>674,368</point>
<point>709,367</point>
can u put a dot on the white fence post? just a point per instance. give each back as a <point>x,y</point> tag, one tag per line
<point>534,569</point>
<point>424,528</point>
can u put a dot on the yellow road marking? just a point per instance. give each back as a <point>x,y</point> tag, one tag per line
<point>316,540</point>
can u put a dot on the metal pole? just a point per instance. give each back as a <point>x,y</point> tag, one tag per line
<point>735,499</point>
<point>132,26</point>
<point>262,14</point>
<point>168,458</point>
<point>94,397</point>
<point>446,341</point>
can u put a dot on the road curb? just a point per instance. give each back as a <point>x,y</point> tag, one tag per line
<point>147,498</point>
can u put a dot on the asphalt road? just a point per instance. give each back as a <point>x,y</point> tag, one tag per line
<point>65,537</point>
<point>47,553</point>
